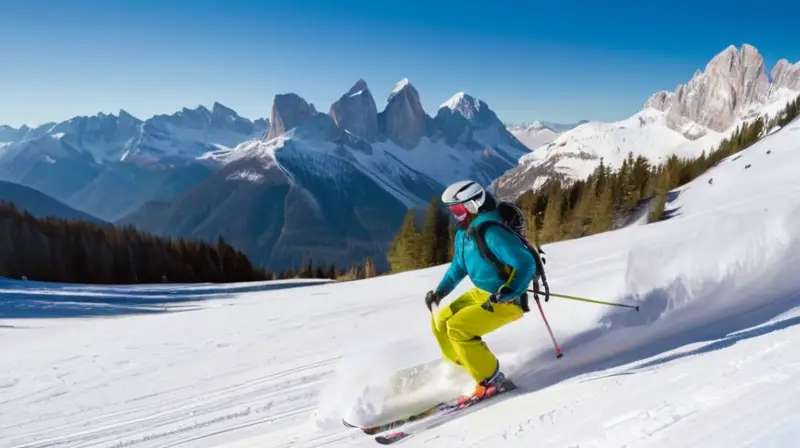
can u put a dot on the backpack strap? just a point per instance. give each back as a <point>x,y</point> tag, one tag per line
<point>502,269</point>
<point>478,232</point>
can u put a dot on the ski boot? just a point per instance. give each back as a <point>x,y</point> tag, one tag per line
<point>489,387</point>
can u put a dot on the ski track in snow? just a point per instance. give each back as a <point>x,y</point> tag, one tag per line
<point>710,360</point>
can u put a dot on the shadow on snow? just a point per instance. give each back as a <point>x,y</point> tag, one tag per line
<point>614,344</point>
<point>30,299</point>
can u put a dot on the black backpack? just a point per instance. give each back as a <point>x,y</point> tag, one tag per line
<point>513,220</point>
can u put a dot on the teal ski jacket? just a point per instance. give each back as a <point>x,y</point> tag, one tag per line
<point>468,261</point>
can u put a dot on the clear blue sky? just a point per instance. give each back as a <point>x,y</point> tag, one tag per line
<point>558,60</point>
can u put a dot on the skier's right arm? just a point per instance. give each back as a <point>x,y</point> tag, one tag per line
<point>456,272</point>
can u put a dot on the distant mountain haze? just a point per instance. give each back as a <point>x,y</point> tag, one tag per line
<point>40,205</point>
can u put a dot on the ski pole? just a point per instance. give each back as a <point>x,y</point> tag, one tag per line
<point>601,302</point>
<point>559,353</point>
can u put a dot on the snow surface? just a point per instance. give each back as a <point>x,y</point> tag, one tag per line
<point>402,84</point>
<point>454,101</point>
<point>533,137</point>
<point>709,361</point>
<point>389,165</point>
<point>576,153</point>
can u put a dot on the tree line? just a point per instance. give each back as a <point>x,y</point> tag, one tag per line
<point>607,199</point>
<point>75,251</point>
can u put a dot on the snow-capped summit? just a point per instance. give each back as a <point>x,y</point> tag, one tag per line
<point>356,112</point>
<point>465,119</point>
<point>471,108</point>
<point>338,184</point>
<point>732,88</point>
<point>404,121</point>
<point>733,82</point>
<point>398,87</point>
<point>459,101</point>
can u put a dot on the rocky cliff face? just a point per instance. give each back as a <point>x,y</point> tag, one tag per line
<point>404,121</point>
<point>733,81</point>
<point>732,88</point>
<point>785,75</point>
<point>288,111</point>
<point>357,113</point>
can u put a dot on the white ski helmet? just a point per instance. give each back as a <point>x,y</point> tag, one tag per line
<point>466,193</point>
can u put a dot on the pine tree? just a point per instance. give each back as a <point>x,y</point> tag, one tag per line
<point>404,253</point>
<point>444,238</point>
<point>581,216</point>
<point>451,240</point>
<point>434,236</point>
<point>660,200</point>
<point>68,250</point>
<point>629,187</point>
<point>603,213</point>
<point>551,226</point>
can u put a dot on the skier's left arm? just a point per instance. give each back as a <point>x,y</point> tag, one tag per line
<point>510,251</point>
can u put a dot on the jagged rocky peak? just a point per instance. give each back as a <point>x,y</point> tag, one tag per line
<point>223,117</point>
<point>288,111</point>
<point>458,116</point>
<point>474,110</point>
<point>464,104</point>
<point>356,112</point>
<point>659,100</point>
<point>199,113</point>
<point>126,117</point>
<point>403,120</point>
<point>754,80</point>
<point>220,110</point>
<point>732,81</point>
<point>786,75</point>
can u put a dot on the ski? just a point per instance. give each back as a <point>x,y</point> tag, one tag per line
<point>401,421</point>
<point>444,414</point>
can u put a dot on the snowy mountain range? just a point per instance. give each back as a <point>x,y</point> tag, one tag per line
<point>109,165</point>
<point>539,133</point>
<point>335,186</point>
<point>732,89</point>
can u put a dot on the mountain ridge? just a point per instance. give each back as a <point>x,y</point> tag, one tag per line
<point>108,165</point>
<point>334,187</point>
<point>732,89</point>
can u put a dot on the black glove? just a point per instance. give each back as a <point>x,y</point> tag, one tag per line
<point>432,297</point>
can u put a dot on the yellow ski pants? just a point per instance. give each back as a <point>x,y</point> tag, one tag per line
<point>458,328</point>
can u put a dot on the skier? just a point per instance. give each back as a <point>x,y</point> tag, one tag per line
<point>493,303</point>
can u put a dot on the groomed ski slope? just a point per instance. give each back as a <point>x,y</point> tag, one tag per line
<point>710,361</point>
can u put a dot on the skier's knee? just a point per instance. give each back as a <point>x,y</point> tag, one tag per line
<point>457,334</point>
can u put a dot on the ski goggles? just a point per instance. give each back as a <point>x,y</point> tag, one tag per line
<point>460,211</point>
